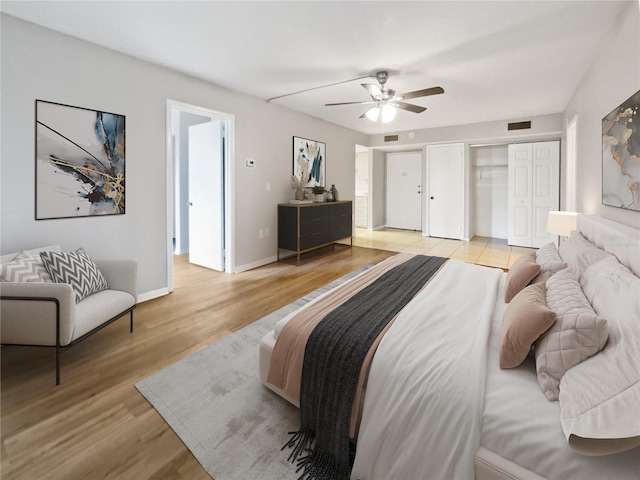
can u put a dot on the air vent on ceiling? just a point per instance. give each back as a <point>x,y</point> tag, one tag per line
<point>391,138</point>
<point>519,125</point>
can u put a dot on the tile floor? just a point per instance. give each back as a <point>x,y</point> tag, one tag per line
<point>493,252</point>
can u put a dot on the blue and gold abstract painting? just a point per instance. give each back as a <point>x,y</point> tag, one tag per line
<point>309,160</point>
<point>80,162</point>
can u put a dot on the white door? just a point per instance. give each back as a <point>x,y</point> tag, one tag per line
<point>404,192</point>
<point>545,190</point>
<point>446,190</point>
<point>534,190</point>
<point>206,194</point>
<point>520,197</point>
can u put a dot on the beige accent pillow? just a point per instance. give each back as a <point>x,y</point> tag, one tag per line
<point>525,319</point>
<point>577,334</point>
<point>520,274</point>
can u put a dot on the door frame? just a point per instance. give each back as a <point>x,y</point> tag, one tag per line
<point>229,182</point>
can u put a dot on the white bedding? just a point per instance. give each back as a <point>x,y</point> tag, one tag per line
<point>417,425</point>
<point>426,383</point>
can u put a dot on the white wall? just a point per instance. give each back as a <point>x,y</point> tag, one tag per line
<point>41,64</point>
<point>613,77</point>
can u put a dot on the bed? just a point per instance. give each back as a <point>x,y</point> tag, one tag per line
<point>459,388</point>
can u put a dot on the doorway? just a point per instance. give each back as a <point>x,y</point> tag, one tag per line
<point>207,135</point>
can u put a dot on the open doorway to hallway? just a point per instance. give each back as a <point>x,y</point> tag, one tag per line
<point>199,184</point>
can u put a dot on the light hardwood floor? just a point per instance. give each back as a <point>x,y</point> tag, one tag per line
<point>95,424</point>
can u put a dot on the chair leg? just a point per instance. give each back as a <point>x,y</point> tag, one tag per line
<point>131,322</point>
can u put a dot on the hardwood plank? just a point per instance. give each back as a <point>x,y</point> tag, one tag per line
<point>96,424</point>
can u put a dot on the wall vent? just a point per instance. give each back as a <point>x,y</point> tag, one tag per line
<point>391,138</point>
<point>519,125</point>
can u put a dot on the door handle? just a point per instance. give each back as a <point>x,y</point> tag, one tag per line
<point>191,204</point>
<point>432,198</point>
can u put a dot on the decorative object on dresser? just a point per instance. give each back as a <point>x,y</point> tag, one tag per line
<point>309,161</point>
<point>80,162</point>
<point>308,227</point>
<point>318,192</point>
<point>56,299</point>
<point>620,152</point>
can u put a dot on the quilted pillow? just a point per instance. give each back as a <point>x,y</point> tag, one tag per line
<point>77,269</point>
<point>523,270</point>
<point>577,334</point>
<point>25,267</point>
<point>525,319</point>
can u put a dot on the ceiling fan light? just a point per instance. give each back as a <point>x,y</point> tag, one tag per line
<point>372,114</point>
<point>388,113</point>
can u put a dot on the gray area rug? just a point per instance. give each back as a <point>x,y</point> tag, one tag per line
<point>215,403</point>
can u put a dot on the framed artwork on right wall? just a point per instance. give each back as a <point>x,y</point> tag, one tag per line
<point>621,155</point>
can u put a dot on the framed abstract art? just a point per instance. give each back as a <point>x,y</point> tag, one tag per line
<point>621,155</point>
<point>309,161</point>
<point>80,162</point>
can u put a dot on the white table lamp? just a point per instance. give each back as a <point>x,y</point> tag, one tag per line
<point>562,223</point>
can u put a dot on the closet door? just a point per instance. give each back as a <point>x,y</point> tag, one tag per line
<point>446,190</point>
<point>545,190</point>
<point>404,192</point>
<point>534,190</point>
<point>520,197</point>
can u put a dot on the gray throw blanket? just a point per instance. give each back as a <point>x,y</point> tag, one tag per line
<point>333,359</point>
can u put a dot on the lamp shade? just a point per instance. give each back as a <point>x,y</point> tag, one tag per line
<point>562,223</point>
<point>372,114</point>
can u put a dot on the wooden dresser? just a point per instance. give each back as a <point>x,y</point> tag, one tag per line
<point>306,227</point>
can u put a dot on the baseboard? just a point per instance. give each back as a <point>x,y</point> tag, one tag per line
<point>144,297</point>
<point>259,263</point>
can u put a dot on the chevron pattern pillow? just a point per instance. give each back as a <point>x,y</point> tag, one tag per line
<point>77,269</point>
<point>25,267</point>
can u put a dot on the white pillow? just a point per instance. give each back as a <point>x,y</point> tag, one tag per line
<point>549,259</point>
<point>577,333</point>
<point>25,267</point>
<point>600,398</point>
<point>579,253</point>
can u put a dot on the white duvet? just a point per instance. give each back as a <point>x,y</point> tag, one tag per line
<point>422,415</point>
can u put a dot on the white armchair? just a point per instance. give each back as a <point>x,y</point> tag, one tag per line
<point>46,314</point>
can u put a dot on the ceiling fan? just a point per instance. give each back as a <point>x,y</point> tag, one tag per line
<point>385,101</point>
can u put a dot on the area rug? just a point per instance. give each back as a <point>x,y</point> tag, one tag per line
<point>215,403</point>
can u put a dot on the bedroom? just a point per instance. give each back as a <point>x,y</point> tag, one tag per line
<point>142,98</point>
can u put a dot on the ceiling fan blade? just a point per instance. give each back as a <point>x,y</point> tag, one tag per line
<point>409,107</point>
<point>373,90</point>
<point>422,93</point>
<point>349,103</point>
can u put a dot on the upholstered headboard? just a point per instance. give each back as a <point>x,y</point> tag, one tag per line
<point>620,240</point>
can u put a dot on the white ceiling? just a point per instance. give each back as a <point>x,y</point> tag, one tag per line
<point>495,60</point>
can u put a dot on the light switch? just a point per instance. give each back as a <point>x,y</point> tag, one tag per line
<point>268,187</point>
